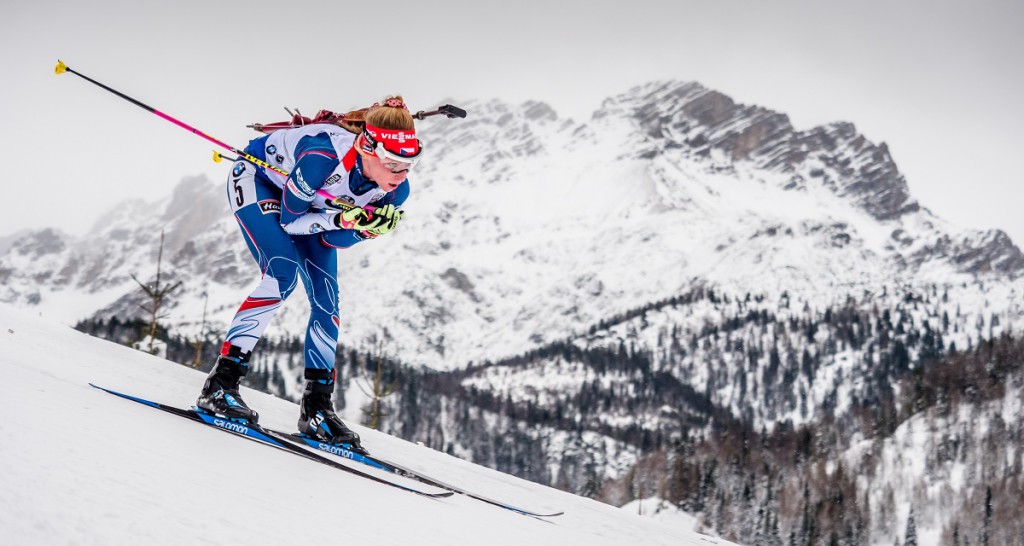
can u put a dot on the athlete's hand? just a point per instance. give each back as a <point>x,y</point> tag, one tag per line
<point>357,218</point>
<point>389,216</point>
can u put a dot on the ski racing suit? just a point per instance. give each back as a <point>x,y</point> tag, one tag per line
<point>291,233</point>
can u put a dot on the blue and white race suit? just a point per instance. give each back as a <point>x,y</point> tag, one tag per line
<point>291,232</point>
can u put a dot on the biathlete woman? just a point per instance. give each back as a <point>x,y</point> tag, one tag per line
<point>294,227</point>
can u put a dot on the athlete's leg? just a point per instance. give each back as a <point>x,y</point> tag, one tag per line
<point>320,277</point>
<point>257,211</point>
<point>319,270</point>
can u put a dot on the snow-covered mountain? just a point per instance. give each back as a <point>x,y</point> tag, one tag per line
<point>524,228</point>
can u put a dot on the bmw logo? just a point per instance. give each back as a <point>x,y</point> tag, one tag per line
<point>239,169</point>
<point>271,149</point>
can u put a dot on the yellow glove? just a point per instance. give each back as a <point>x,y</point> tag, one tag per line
<point>389,217</point>
<point>357,218</point>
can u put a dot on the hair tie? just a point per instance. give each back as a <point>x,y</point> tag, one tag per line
<point>393,103</point>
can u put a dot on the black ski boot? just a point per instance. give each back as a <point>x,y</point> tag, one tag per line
<point>318,420</point>
<point>220,393</point>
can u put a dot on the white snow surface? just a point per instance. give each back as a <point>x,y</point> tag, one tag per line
<point>110,471</point>
<point>661,510</point>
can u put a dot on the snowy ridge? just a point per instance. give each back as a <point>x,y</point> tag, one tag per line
<point>125,474</point>
<point>524,225</point>
<point>703,122</point>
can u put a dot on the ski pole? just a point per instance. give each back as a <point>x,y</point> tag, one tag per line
<point>62,68</point>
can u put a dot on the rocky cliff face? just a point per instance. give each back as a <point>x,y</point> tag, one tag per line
<point>704,122</point>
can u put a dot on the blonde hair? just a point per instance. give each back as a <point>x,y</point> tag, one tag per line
<point>391,113</point>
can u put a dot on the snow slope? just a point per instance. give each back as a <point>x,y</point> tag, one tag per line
<point>83,479</point>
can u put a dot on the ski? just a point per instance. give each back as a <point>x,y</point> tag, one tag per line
<point>396,469</point>
<point>263,436</point>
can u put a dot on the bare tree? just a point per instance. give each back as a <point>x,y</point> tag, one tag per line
<point>376,390</point>
<point>200,342</point>
<point>156,294</point>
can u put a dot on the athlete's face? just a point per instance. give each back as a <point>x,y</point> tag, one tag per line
<point>383,172</point>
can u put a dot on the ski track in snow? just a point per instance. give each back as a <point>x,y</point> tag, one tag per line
<point>108,471</point>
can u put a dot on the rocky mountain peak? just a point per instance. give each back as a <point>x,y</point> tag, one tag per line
<point>38,244</point>
<point>703,122</point>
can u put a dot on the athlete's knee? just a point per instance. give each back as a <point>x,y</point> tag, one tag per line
<point>322,292</point>
<point>326,301</point>
<point>286,284</point>
<point>285,274</point>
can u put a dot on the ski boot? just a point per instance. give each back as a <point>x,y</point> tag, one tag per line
<point>220,393</point>
<point>317,418</point>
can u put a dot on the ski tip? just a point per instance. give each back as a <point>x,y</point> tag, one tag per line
<point>537,515</point>
<point>532,514</point>
<point>60,69</point>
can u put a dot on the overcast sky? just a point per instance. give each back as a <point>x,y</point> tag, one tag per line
<point>939,81</point>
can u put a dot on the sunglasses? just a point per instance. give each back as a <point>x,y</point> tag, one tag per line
<point>394,162</point>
